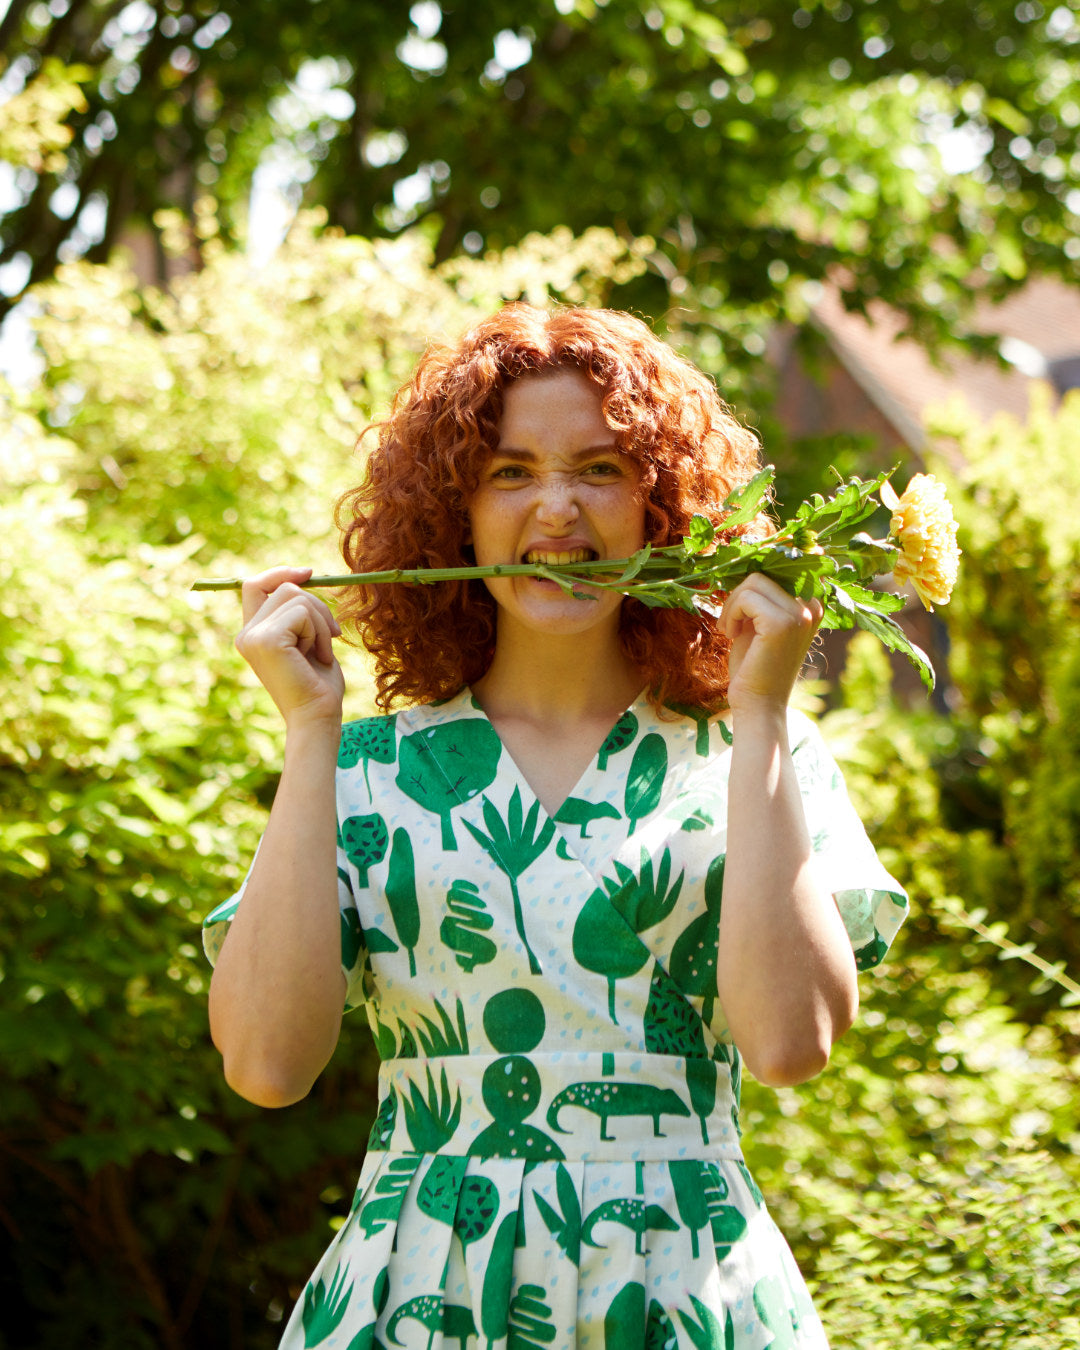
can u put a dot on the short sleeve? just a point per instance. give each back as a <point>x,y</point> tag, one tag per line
<point>872,903</point>
<point>355,962</point>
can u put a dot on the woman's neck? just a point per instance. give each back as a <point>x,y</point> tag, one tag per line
<point>583,677</point>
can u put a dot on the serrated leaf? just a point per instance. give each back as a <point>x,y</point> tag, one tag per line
<point>744,504</point>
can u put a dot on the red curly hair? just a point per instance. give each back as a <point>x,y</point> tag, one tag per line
<point>410,510</point>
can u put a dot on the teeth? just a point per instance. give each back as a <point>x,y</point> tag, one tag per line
<point>574,555</point>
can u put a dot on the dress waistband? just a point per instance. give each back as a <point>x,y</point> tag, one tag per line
<point>562,1105</point>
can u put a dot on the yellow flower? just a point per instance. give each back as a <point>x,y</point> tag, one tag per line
<point>924,530</point>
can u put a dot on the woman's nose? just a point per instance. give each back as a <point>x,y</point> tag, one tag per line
<point>557,506</point>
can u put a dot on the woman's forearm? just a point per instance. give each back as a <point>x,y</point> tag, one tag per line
<point>785,970</point>
<point>277,992</point>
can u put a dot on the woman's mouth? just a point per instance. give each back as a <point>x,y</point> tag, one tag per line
<point>552,558</point>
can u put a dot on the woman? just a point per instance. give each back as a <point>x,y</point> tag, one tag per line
<point>571,910</point>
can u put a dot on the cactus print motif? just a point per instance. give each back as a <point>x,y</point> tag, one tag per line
<point>555,1161</point>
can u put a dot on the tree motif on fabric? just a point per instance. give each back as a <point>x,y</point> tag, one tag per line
<point>382,1129</point>
<point>772,1308</point>
<point>605,937</point>
<point>671,1025</point>
<point>728,1223</point>
<point>365,840</point>
<point>530,1327</point>
<point>511,1091</point>
<point>606,1099</point>
<point>752,1185</point>
<point>564,1224</point>
<point>400,894</point>
<point>618,738</point>
<point>324,1307</point>
<point>431,1120</point>
<point>660,1333</point>
<point>706,1333</point>
<point>624,1321</point>
<point>437,1194</point>
<point>371,738</point>
<point>645,781</point>
<point>498,1279</point>
<point>701,720</point>
<point>464,927</point>
<point>693,957</point>
<point>390,1189</point>
<point>688,1182</point>
<point>514,1021</point>
<point>477,1209</point>
<point>443,767</point>
<point>578,811</point>
<point>631,1213</point>
<point>513,846</point>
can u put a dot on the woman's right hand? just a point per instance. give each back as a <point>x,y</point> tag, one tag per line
<point>287,640</point>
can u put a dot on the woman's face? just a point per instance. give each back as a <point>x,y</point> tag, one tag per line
<point>557,490</point>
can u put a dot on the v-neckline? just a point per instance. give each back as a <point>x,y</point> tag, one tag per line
<point>519,773</point>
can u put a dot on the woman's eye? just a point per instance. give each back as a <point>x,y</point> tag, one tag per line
<point>509,471</point>
<point>603,469</point>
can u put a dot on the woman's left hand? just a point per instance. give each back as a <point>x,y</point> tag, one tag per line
<point>770,633</point>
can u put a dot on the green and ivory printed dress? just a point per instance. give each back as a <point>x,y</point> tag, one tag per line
<point>555,1163</point>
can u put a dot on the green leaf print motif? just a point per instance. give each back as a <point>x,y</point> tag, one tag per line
<point>605,931</point>
<point>372,738</point>
<point>464,927</point>
<point>447,765</point>
<point>624,1323</point>
<point>495,1298</point>
<point>324,1307</point>
<point>449,1038</point>
<point>390,1189</point>
<point>513,846</point>
<point>700,718</point>
<point>642,901</point>
<point>728,1223</point>
<point>618,738</point>
<point>693,957</point>
<point>365,840</point>
<point>688,1182</point>
<point>660,1333</point>
<point>773,1310</point>
<point>564,1227</point>
<point>401,894</point>
<point>707,1333</point>
<point>437,1194</point>
<point>645,781</point>
<point>431,1121</point>
<point>671,1026</point>
<point>603,943</point>
<point>531,1327</point>
<point>477,1209</point>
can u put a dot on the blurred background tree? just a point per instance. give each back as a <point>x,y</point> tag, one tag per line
<point>203,425</point>
<point>759,146</point>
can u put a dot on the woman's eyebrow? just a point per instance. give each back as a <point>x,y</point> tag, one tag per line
<point>530,456</point>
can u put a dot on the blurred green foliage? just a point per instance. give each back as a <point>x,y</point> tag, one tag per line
<point>927,1180</point>
<point>911,145</point>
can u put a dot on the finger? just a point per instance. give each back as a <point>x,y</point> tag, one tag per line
<point>257,590</point>
<point>290,618</point>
